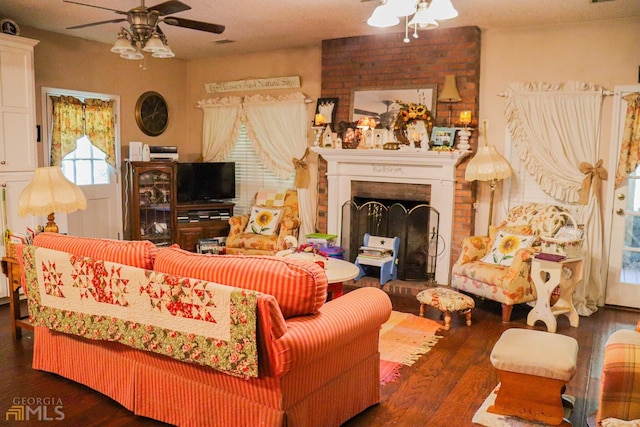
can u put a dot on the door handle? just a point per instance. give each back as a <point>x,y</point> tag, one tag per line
<point>621,196</point>
<point>620,212</point>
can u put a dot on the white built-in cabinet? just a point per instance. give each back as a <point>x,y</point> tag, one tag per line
<point>18,145</point>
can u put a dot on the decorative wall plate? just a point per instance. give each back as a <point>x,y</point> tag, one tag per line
<point>8,26</point>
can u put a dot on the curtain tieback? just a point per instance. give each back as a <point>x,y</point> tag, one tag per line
<point>302,171</point>
<point>594,176</point>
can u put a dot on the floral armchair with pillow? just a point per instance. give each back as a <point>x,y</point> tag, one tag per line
<point>497,266</point>
<point>273,216</point>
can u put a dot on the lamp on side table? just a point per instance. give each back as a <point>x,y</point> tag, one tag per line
<point>50,191</point>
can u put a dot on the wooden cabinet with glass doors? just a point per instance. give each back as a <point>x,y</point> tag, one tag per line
<point>152,199</point>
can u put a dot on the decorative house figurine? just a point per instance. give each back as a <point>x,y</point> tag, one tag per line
<point>327,138</point>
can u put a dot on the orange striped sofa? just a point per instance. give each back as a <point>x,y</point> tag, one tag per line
<point>318,363</point>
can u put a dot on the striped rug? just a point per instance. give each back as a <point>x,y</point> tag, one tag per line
<point>403,339</point>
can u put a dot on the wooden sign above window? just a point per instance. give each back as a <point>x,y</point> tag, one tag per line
<point>254,84</point>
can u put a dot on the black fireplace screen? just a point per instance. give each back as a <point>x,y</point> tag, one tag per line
<point>416,224</point>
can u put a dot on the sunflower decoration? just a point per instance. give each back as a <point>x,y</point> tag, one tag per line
<point>263,220</point>
<point>507,248</point>
<point>409,114</point>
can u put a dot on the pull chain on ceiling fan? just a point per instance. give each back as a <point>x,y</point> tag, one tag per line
<point>144,33</point>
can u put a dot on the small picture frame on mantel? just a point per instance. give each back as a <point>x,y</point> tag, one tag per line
<point>441,136</point>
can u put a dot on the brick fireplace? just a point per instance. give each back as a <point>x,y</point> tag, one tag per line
<point>385,62</point>
<point>414,169</point>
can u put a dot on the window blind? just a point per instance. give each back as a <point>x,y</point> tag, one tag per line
<point>251,174</point>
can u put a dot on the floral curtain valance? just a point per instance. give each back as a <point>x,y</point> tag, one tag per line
<point>630,146</point>
<point>73,118</point>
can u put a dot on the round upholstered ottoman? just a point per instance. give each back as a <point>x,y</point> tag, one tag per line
<point>447,301</point>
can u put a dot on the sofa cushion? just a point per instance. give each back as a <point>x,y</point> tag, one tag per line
<point>299,286</point>
<point>138,253</point>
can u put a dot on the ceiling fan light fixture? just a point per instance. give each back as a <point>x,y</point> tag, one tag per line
<point>166,52</point>
<point>154,44</point>
<point>402,7</point>
<point>122,45</point>
<point>382,17</point>
<point>136,55</point>
<point>442,9</point>
<point>423,19</point>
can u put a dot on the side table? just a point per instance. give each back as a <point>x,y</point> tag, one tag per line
<point>565,274</point>
<point>11,269</point>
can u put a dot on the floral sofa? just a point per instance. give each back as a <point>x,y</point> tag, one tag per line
<point>278,207</point>
<point>478,273</point>
<point>196,340</point>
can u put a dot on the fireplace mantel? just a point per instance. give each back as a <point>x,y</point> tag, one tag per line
<point>415,166</point>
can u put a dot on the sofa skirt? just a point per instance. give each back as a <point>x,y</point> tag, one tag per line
<point>326,393</point>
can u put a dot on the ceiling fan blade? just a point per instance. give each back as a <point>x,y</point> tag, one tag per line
<point>98,7</point>
<point>169,7</point>
<point>111,21</point>
<point>194,25</point>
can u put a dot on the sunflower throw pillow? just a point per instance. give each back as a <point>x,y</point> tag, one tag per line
<point>505,247</point>
<point>263,221</point>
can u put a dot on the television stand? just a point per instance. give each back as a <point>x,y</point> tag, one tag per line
<point>202,220</point>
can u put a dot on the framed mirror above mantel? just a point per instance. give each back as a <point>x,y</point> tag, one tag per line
<point>380,102</point>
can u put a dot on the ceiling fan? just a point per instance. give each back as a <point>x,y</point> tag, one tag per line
<point>143,23</point>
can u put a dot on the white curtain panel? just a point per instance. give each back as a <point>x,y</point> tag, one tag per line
<point>220,127</point>
<point>555,129</point>
<point>277,126</point>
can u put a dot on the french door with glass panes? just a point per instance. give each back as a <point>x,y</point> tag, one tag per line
<point>623,278</point>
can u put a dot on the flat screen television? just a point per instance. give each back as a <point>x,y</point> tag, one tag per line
<point>206,182</point>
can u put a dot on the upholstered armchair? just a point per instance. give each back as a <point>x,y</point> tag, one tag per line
<point>274,216</point>
<point>620,378</point>
<point>480,271</point>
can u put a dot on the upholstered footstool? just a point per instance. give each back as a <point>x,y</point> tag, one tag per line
<point>447,301</point>
<point>534,368</point>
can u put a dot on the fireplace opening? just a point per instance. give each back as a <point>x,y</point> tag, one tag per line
<point>415,222</point>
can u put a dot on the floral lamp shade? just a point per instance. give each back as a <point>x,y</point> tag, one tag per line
<point>50,191</point>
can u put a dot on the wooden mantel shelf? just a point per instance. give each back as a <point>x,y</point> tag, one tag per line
<point>407,156</point>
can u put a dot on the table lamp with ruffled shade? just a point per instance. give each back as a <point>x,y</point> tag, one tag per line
<point>488,165</point>
<point>50,191</point>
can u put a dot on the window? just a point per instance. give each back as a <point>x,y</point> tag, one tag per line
<point>86,165</point>
<point>251,175</point>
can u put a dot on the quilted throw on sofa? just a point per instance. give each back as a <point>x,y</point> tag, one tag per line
<point>188,319</point>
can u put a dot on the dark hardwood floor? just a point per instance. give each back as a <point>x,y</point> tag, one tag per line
<point>445,387</point>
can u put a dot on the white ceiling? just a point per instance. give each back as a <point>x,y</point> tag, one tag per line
<point>256,25</point>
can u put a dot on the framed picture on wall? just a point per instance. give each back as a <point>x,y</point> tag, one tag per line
<point>443,136</point>
<point>326,109</point>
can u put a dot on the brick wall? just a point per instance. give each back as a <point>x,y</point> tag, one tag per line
<point>386,62</point>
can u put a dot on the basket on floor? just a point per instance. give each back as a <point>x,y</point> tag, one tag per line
<point>565,242</point>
